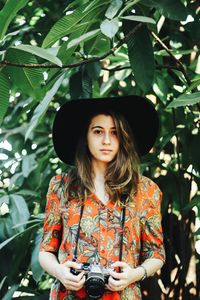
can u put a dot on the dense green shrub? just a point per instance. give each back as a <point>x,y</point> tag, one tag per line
<point>55,51</point>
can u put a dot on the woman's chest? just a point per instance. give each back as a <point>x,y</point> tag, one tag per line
<point>94,218</point>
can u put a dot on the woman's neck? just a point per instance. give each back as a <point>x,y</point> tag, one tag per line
<point>99,182</point>
<point>99,171</point>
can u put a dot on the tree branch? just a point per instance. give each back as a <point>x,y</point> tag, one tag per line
<point>84,62</point>
<point>179,64</point>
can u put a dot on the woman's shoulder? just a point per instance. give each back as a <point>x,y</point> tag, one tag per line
<point>57,178</point>
<point>148,187</point>
<point>57,181</point>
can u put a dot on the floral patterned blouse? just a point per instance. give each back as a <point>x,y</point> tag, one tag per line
<point>101,231</point>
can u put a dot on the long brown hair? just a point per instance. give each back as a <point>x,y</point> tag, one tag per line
<point>122,173</point>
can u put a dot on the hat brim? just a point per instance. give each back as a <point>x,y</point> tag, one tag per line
<point>73,115</point>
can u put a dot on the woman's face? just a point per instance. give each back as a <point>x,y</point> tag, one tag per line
<point>102,139</point>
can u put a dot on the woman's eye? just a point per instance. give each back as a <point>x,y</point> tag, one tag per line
<point>114,132</point>
<point>97,131</point>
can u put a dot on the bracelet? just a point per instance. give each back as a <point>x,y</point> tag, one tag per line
<point>145,272</point>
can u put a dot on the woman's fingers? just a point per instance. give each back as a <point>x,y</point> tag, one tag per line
<point>75,286</point>
<point>72,264</point>
<point>116,275</point>
<point>67,266</point>
<point>120,264</point>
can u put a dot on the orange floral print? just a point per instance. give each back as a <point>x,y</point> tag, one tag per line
<point>100,233</point>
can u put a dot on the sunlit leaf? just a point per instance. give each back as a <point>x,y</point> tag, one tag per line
<point>69,23</point>
<point>18,210</point>
<point>43,53</point>
<point>10,292</point>
<point>16,180</point>
<point>185,99</point>
<point>99,44</point>
<point>29,80</point>
<point>43,106</point>
<point>8,12</point>
<point>194,202</point>
<point>109,27</point>
<point>85,37</point>
<point>113,8</point>
<point>142,19</point>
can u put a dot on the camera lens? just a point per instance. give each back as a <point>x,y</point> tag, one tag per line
<point>94,288</point>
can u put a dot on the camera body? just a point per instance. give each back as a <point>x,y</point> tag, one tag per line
<point>96,278</point>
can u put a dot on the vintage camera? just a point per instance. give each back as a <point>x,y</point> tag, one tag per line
<point>96,278</point>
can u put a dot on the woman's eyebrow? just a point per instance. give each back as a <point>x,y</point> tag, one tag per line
<point>98,126</point>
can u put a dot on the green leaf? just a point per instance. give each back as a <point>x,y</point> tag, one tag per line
<point>172,9</point>
<point>4,199</point>
<point>141,58</point>
<point>10,292</point>
<point>68,55</point>
<point>18,210</point>
<point>28,164</point>
<point>43,106</point>
<point>100,44</point>
<point>43,53</point>
<point>140,19</point>
<point>2,282</point>
<point>35,265</point>
<point>29,193</point>
<point>195,84</point>
<point>107,86</point>
<point>93,70</point>
<point>16,180</point>
<point>4,95</point>
<point>75,85</point>
<point>8,13</point>
<point>29,80</point>
<point>113,8</point>
<point>174,52</point>
<point>86,85</point>
<point>109,27</point>
<point>194,202</point>
<point>7,241</point>
<point>185,99</point>
<point>70,23</point>
<point>85,37</point>
<point>197,232</point>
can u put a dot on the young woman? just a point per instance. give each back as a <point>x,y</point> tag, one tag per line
<point>102,212</point>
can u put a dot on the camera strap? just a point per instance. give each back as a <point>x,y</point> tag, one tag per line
<point>122,229</point>
<point>122,225</point>
<point>78,233</point>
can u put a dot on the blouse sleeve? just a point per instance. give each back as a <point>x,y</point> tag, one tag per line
<point>52,228</point>
<point>151,228</point>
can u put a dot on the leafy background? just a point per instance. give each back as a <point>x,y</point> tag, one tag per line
<point>56,51</point>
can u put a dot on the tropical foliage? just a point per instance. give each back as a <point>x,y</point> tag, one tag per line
<point>56,51</point>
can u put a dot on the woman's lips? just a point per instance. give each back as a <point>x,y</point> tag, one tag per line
<point>106,151</point>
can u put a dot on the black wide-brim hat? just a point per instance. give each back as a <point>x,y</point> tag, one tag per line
<point>73,115</point>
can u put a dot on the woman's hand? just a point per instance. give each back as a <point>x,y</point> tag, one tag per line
<point>128,275</point>
<point>70,281</point>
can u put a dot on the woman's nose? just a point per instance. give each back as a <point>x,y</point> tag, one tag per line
<point>106,139</point>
